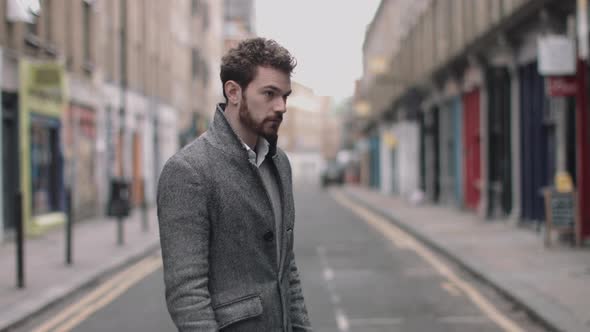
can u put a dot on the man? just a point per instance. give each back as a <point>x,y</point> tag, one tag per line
<point>226,210</point>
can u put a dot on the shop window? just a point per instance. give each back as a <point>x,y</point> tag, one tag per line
<point>45,167</point>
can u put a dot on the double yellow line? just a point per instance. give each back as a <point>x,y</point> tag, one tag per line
<point>74,314</point>
<point>401,239</point>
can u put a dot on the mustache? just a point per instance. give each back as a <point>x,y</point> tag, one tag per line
<point>278,118</point>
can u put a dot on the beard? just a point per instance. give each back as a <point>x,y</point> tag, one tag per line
<point>268,132</point>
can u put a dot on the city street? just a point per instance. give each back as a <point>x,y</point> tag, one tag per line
<point>438,154</point>
<point>357,276</point>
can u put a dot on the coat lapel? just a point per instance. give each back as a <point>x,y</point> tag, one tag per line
<point>282,167</point>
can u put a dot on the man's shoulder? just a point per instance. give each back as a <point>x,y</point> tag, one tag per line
<point>192,155</point>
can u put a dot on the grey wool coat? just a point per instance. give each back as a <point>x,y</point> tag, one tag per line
<point>217,232</point>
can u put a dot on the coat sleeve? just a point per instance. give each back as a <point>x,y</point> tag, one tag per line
<point>184,236</point>
<point>298,311</point>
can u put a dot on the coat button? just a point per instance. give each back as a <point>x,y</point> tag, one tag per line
<point>269,236</point>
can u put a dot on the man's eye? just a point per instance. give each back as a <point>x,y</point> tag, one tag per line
<point>269,93</point>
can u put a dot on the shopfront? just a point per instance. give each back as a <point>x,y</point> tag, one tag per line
<point>42,100</point>
<point>81,139</point>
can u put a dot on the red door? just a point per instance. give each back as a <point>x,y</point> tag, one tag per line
<point>471,153</point>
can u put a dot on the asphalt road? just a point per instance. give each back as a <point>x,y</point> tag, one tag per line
<point>358,274</point>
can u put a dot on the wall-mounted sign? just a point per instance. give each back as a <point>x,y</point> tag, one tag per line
<point>561,86</point>
<point>557,56</point>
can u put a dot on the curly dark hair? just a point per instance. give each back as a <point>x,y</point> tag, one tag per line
<point>239,64</point>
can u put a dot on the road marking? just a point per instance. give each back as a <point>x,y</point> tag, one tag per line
<point>375,321</point>
<point>464,319</point>
<point>394,233</point>
<point>420,272</point>
<point>328,274</point>
<point>109,297</point>
<point>75,313</point>
<point>335,299</point>
<point>450,288</point>
<point>342,320</point>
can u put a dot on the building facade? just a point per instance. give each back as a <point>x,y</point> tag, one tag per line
<point>239,22</point>
<point>309,133</point>
<point>137,86</point>
<point>466,75</point>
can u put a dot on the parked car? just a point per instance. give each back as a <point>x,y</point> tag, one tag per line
<point>333,173</point>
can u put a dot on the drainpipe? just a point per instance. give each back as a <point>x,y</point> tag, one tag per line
<point>582,121</point>
<point>515,139</point>
<point>1,145</point>
<point>484,144</point>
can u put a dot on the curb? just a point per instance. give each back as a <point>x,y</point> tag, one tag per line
<point>57,297</point>
<point>538,314</point>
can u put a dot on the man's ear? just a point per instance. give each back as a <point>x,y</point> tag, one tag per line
<point>233,91</point>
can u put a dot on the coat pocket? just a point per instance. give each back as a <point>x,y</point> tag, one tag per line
<point>237,310</point>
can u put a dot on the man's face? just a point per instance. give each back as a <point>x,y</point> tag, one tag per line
<point>264,102</point>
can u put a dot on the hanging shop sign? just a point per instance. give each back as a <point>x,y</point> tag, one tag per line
<point>557,55</point>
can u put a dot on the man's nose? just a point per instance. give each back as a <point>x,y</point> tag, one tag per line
<point>281,105</point>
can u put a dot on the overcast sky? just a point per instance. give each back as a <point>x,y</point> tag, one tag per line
<point>325,36</point>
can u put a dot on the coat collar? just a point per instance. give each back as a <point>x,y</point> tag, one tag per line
<point>223,136</point>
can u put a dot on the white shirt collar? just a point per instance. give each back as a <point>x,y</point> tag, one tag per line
<point>262,148</point>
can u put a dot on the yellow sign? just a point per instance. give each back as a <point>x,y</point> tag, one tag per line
<point>42,91</point>
<point>563,182</point>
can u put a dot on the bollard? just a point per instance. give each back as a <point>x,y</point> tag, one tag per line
<point>120,239</point>
<point>20,241</point>
<point>144,210</point>
<point>69,224</point>
<point>144,216</point>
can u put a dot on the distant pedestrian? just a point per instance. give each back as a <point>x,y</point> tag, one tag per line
<point>226,210</point>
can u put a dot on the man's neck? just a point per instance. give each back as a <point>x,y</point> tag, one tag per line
<point>247,136</point>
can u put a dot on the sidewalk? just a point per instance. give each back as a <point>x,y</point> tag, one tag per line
<point>552,284</point>
<point>47,278</point>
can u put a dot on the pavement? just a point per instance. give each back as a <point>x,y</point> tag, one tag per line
<point>48,280</point>
<point>551,284</point>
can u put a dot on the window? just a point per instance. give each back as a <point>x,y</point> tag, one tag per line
<point>195,62</point>
<point>205,16</point>
<point>195,4</point>
<point>32,28</point>
<point>205,72</point>
<point>87,29</point>
<point>46,12</point>
<point>45,167</point>
<point>199,66</point>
